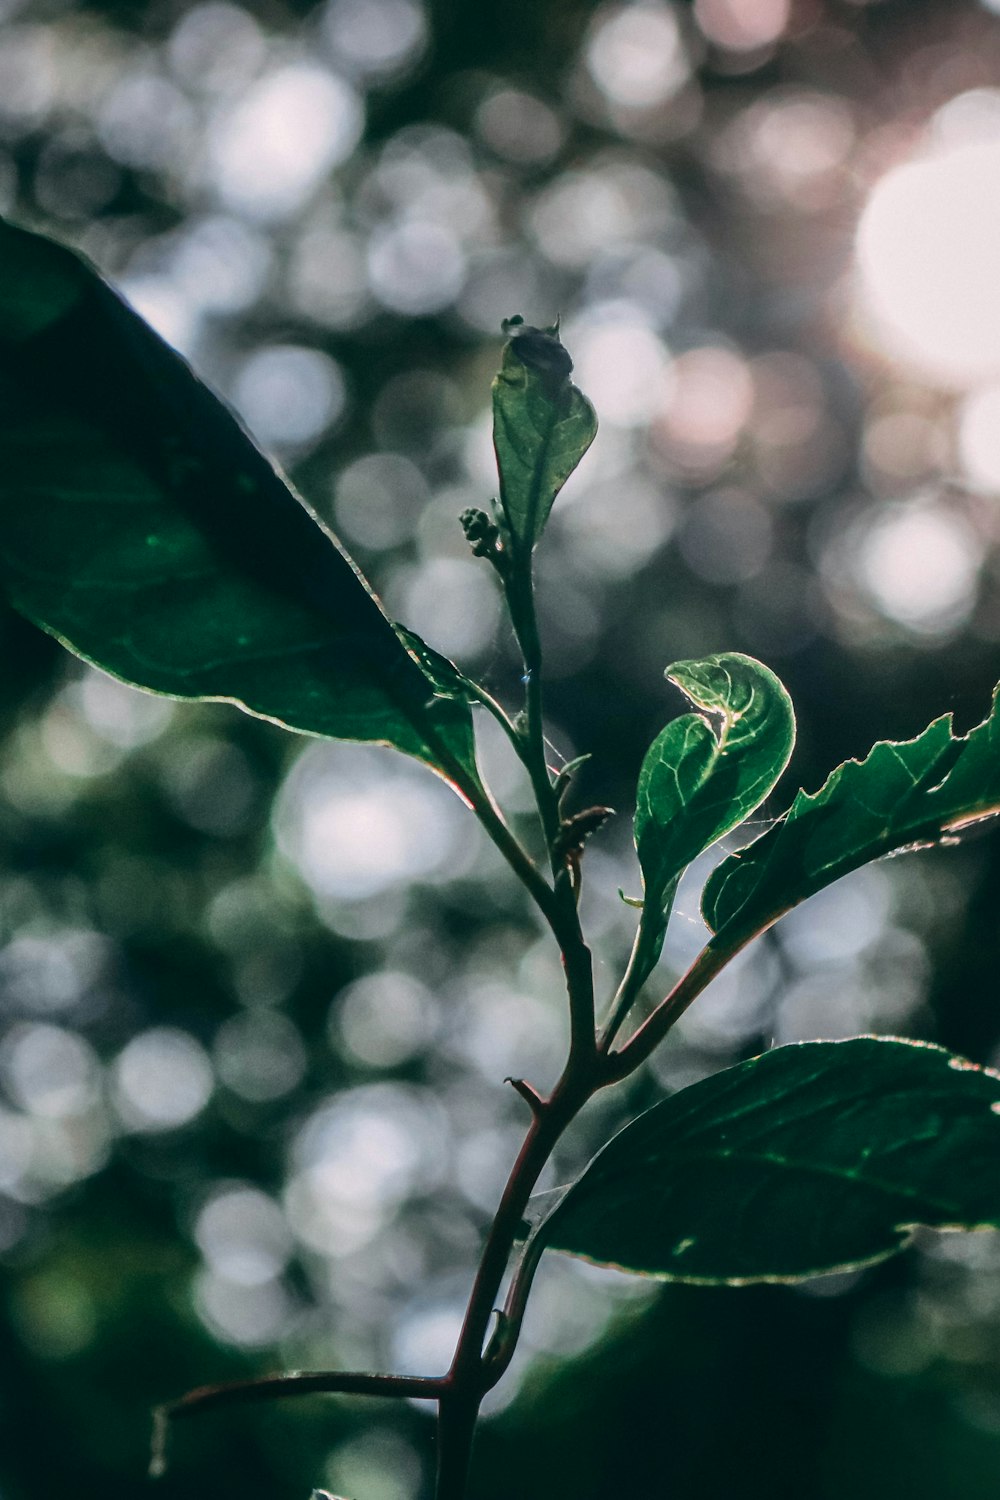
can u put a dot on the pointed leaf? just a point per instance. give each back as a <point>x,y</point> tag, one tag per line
<point>702,776</point>
<point>140,525</point>
<point>812,1158</point>
<point>902,794</point>
<point>542,427</point>
<point>443,675</point>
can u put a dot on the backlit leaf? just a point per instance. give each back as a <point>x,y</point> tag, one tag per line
<point>811,1158</point>
<point>902,794</point>
<point>542,427</point>
<point>707,771</point>
<point>140,525</point>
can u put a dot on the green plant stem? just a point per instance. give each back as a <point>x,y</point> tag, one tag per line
<point>624,998</point>
<point>473,1370</point>
<point>643,958</point>
<point>501,1348</point>
<point>545,1129</point>
<point>577,961</point>
<point>558,906</point>
<point>478,796</point>
<point>578,968</point>
<point>521,602</point>
<point>519,860</point>
<point>471,1374</point>
<point>477,691</point>
<point>620,1064</point>
<point>458,1413</point>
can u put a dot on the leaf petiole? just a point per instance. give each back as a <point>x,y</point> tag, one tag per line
<point>710,961</point>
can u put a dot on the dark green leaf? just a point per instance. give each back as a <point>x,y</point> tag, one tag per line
<point>542,427</point>
<point>704,775</point>
<point>812,1158</point>
<point>903,794</point>
<point>140,525</point>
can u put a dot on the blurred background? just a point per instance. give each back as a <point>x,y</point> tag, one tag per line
<point>257,994</point>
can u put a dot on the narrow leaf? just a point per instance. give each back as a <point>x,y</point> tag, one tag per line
<point>813,1158</point>
<point>707,771</point>
<point>140,525</point>
<point>913,792</point>
<point>443,675</point>
<point>542,427</point>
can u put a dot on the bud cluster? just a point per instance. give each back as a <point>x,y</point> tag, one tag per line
<point>483,536</point>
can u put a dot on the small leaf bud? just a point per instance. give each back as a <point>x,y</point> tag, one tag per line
<point>483,536</point>
<point>575,831</point>
<point>479,529</point>
<point>540,349</point>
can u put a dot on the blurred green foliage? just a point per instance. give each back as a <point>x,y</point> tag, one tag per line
<point>226,1145</point>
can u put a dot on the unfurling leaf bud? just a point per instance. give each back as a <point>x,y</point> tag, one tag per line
<point>540,349</point>
<point>542,427</point>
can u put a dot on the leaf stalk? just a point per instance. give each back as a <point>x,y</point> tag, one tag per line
<point>711,959</point>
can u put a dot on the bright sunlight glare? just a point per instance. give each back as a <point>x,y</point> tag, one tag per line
<point>928,247</point>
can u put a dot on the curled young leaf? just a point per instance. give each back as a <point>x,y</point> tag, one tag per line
<point>141,526</point>
<point>903,794</point>
<point>706,772</point>
<point>542,427</point>
<point>812,1158</point>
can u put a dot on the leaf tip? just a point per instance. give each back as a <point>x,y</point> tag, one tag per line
<point>539,349</point>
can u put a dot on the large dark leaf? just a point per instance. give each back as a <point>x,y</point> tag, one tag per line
<point>808,1159</point>
<point>706,772</point>
<point>542,427</point>
<point>902,794</point>
<point>140,525</point>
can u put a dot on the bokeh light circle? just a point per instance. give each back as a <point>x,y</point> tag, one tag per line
<point>928,247</point>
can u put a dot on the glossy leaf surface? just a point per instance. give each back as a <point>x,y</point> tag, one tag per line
<point>707,771</point>
<point>808,1159</point>
<point>140,525</point>
<point>902,794</point>
<point>542,427</point>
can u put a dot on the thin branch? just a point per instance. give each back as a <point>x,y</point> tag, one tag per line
<point>305,1383</point>
<point>642,960</point>
<point>458,1414</point>
<point>468,783</point>
<point>566,925</point>
<point>578,965</point>
<point>637,1049</point>
<point>520,861</point>
<point>500,1350</point>
<point>519,590</point>
<point>624,998</point>
<point>273,1387</point>
<point>477,691</point>
<point>569,1096</point>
